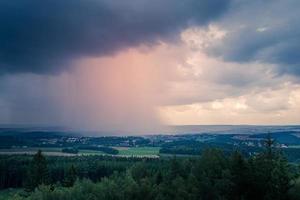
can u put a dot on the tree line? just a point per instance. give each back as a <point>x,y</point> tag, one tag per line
<point>15,170</point>
<point>213,175</point>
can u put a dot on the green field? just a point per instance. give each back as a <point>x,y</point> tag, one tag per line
<point>294,146</point>
<point>138,151</point>
<point>167,155</point>
<point>47,151</point>
<point>85,152</point>
<point>123,151</point>
<point>32,149</point>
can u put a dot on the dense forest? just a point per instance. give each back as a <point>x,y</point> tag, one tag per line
<point>212,175</point>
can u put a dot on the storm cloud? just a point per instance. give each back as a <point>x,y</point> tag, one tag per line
<point>262,31</point>
<point>131,66</point>
<point>47,36</point>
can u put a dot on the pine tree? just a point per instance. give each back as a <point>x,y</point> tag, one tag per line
<point>38,172</point>
<point>269,144</point>
<point>239,175</point>
<point>271,173</point>
<point>71,177</point>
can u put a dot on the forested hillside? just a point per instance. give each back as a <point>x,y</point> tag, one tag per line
<point>213,175</point>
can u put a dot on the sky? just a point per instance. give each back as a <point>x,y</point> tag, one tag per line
<point>137,65</point>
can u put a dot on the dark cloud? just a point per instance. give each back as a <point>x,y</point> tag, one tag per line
<point>46,36</point>
<point>264,31</point>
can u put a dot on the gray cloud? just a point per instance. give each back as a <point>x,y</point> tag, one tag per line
<point>264,31</point>
<point>260,51</point>
<point>46,36</point>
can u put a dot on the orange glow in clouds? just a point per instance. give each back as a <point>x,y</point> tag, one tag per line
<point>119,91</point>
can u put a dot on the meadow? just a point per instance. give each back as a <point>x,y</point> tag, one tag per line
<point>123,151</point>
<point>138,151</point>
